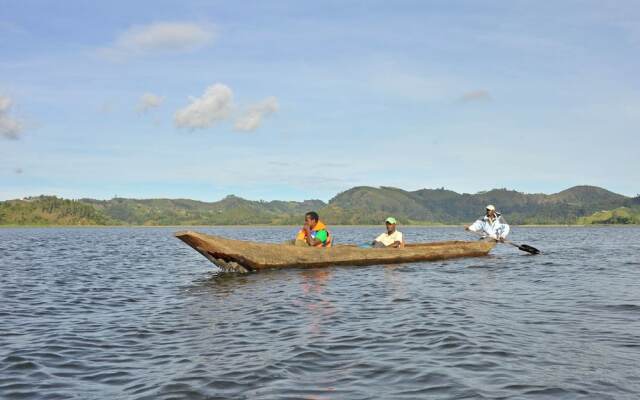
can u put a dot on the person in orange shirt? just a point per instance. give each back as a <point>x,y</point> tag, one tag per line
<point>314,232</point>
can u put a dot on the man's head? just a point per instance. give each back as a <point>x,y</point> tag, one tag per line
<point>311,218</point>
<point>391,224</point>
<point>491,210</point>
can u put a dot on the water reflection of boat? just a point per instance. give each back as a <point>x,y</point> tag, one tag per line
<point>318,307</point>
<point>244,256</point>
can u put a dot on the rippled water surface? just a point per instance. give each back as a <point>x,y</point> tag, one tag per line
<point>128,313</point>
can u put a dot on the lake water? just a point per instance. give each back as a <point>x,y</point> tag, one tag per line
<point>133,313</point>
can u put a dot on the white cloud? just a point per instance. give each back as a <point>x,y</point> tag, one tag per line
<point>252,118</point>
<point>475,95</point>
<point>10,128</point>
<point>149,101</point>
<point>160,37</point>
<point>214,105</point>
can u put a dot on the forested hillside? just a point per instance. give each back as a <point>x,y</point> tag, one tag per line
<point>359,205</point>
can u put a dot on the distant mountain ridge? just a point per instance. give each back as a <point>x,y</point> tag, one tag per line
<point>356,206</point>
<point>446,206</point>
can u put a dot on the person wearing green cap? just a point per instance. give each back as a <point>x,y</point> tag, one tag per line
<point>391,238</point>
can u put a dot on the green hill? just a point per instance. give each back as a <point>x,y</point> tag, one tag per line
<point>621,215</point>
<point>49,210</point>
<point>592,195</point>
<point>231,210</point>
<point>368,204</point>
<point>358,205</point>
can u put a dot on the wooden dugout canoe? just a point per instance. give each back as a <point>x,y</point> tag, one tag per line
<point>245,256</point>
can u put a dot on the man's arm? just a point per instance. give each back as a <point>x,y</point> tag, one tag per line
<point>399,240</point>
<point>320,239</point>
<point>475,227</point>
<point>313,242</point>
<point>310,241</point>
<point>504,230</point>
<point>307,236</point>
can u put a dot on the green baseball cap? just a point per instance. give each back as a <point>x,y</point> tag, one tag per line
<point>391,220</point>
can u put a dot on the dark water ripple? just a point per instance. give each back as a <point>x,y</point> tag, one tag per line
<point>134,313</point>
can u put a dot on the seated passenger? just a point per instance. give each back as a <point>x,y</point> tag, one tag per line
<point>392,238</point>
<point>314,232</point>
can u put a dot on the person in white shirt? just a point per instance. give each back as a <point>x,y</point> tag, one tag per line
<point>391,238</point>
<point>491,225</point>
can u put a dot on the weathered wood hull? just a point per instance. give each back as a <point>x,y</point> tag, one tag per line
<point>244,256</point>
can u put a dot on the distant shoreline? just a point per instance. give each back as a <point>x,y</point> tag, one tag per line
<point>186,227</point>
<point>358,206</point>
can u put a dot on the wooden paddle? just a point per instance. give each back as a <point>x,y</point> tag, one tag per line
<point>523,247</point>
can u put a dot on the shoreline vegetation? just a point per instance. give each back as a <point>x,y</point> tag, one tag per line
<point>359,206</point>
<point>186,227</point>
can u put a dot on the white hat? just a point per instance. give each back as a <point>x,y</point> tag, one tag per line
<point>491,207</point>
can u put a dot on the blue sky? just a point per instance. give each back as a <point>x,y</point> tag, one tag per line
<point>298,100</point>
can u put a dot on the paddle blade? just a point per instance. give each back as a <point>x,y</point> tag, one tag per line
<point>529,249</point>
